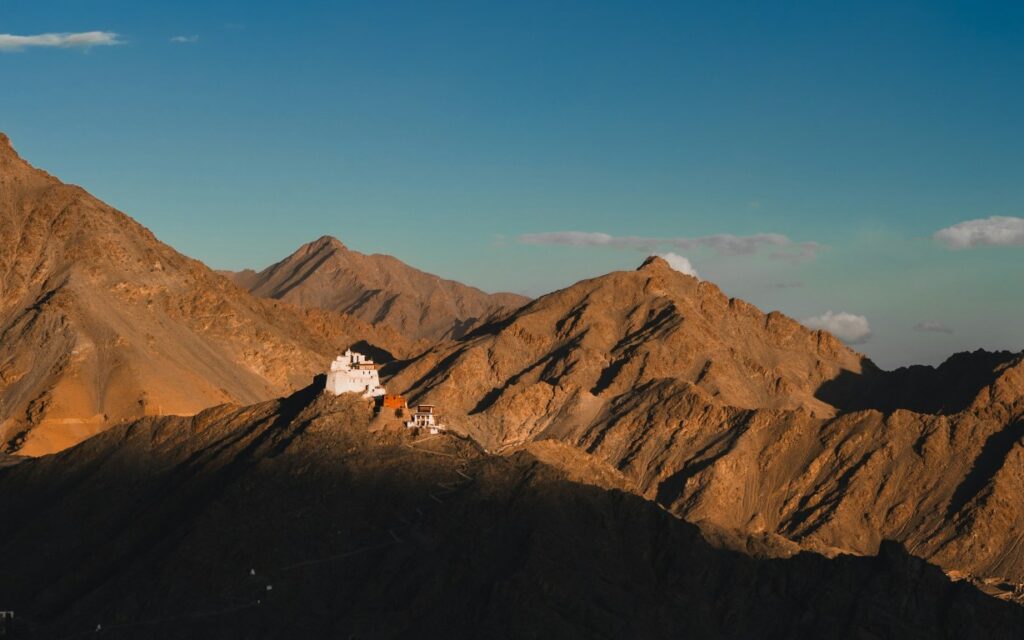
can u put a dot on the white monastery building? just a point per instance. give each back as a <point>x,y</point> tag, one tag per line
<point>424,418</point>
<point>354,373</point>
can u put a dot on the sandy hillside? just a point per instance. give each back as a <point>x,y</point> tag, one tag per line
<point>100,322</point>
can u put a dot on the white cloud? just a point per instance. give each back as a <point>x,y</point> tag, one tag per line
<point>931,326</point>
<point>723,244</point>
<point>184,39</point>
<point>848,327</point>
<point>573,238</point>
<point>82,40</point>
<point>680,264</point>
<point>997,231</point>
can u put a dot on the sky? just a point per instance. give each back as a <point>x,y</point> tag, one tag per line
<point>857,166</point>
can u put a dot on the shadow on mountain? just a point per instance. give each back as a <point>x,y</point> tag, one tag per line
<point>986,465</point>
<point>543,365</point>
<point>491,326</point>
<point>288,519</point>
<point>375,353</point>
<point>461,327</point>
<point>946,389</point>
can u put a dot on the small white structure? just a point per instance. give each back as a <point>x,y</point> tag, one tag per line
<point>423,418</point>
<point>354,373</point>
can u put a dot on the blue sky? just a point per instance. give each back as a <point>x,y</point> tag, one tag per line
<point>443,132</point>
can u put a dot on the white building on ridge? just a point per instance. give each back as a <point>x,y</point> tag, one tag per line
<point>424,418</point>
<point>354,373</point>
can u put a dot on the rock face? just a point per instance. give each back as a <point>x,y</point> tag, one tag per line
<point>748,421</point>
<point>303,523</point>
<point>100,322</point>
<point>378,289</point>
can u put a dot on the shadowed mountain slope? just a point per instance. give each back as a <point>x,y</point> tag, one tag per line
<point>99,321</point>
<point>303,523</point>
<point>378,289</point>
<point>949,388</point>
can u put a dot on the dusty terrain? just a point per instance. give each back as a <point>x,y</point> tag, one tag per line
<point>100,322</point>
<point>291,519</point>
<point>378,289</point>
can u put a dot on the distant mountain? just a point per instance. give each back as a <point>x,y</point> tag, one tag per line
<point>378,289</point>
<point>304,519</point>
<point>748,421</point>
<point>101,322</point>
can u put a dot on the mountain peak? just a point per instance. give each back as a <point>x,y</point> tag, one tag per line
<point>321,247</point>
<point>328,241</point>
<point>653,263</point>
<point>7,151</point>
<point>325,243</point>
<point>12,164</point>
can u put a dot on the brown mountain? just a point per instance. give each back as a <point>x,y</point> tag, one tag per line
<point>378,289</point>
<point>748,421</point>
<point>304,519</point>
<point>99,321</point>
<point>572,353</point>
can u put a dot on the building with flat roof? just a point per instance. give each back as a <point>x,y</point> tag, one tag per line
<point>425,418</point>
<point>354,373</point>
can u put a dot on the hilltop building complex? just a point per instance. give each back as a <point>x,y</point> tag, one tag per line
<point>354,373</point>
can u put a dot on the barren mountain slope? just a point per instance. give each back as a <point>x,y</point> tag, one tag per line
<point>303,523</point>
<point>99,321</point>
<point>378,289</point>
<point>568,355</point>
<point>718,411</point>
<point>947,486</point>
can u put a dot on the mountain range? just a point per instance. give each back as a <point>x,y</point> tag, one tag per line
<point>748,421</point>
<point>636,455</point>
